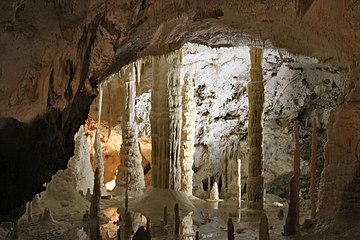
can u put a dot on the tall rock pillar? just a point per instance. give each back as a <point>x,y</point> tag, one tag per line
<point>187,148</point>
<point>130,155</point>
<point>165,118</point>
<point>255,181</point>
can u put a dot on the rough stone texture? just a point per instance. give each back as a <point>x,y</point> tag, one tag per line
<point>53,54</point>
<point>187,148</point>
<point>130,152</point>
<point>166,122</point>
<point>255,180</point>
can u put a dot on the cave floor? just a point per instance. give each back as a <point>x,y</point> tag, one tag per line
<point>209,218</point>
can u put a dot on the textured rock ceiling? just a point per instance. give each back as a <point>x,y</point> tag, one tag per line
<point>53,54</point>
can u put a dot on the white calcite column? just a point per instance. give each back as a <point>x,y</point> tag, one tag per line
<point>130,155</point>
<point>165,120</point>
<point>187,148</point>
<point>98,159</point>
<point>255,181</point>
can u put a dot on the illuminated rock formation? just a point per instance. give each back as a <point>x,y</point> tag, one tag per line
<point>187,148</point>
<point>166,121</point>
<point>130,155</point>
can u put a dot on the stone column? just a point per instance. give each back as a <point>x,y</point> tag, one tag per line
<point>255,180</point>
<point>313,168</point>
<point>130,155</point>
<point>165,118</point>
<point>187,148</point>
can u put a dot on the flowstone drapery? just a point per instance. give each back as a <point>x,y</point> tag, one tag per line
<point>165,120</point>
<point>187,148</point>
<point>130,155</point>
<point>255,180</point>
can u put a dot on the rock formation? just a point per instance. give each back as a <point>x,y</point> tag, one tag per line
<point>166,121</point>
<point>187,148</point>
<point>255,181</point>
<point>130,155</point>
<point>313,169</point>
<point>214,193</point>
<point>264,228</point>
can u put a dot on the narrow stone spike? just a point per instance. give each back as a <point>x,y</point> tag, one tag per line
<point>148,228</point>
<point>313,169</point>
<point>96,196</point>
<point>230,229</point>
<point>177,219</point>
<point>239,183</point>
<point>118,234</point>
<point>126,192</point>
<point>264,228</point>
<point>297,154</point>
<point>197,235</point>
<point>291,219</point>
<point>165,216</point>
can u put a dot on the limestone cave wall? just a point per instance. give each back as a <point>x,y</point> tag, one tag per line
<point>54,53</point>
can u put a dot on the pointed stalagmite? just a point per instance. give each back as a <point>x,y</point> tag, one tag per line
<point>98,161</point>
<point>165,216</point>
<point>96,196</point>
<point>130,155</point>
<point>230,225</point>
<point>313,168</point>
<point>165,120</point>
<point>239,184</point>
<point>255,180</point>
<point>177,219</point>
<point>187,148</point>
<point>292,219</point>
<point>264,228</point>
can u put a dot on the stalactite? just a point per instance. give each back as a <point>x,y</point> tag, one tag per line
<point>297,156</point>
<point>239,183</point>
<point>264,228</point>
<point>187,148</point>
<point>313,168</point>
<point>255,180</point>
<point>130,155</point>
<point>165,119</point>
<point>302,6</point>
<point>110,111</point>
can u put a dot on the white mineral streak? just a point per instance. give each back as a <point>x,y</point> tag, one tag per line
<point>130,155</point>
<point>187,148</point>
<point>98,158</point>
<point>165,120</point>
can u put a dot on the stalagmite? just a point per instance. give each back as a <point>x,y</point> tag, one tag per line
<point>291,218</point>
<point>166,121</point>
<point>96,196</point>
<point>255,180</point>
<point>30,211</point>
<point>177,219</point>
<point>127,193</point>
<point>197,235</point>
<point>230,226</point>
<point>15,231</point>
<point>214,194</point>
<point>148,228</point>
<point>264,228</point>
<point>187,148</point>
<point>313,168</point>
<point>165,216</point>
<point>130,155</point>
